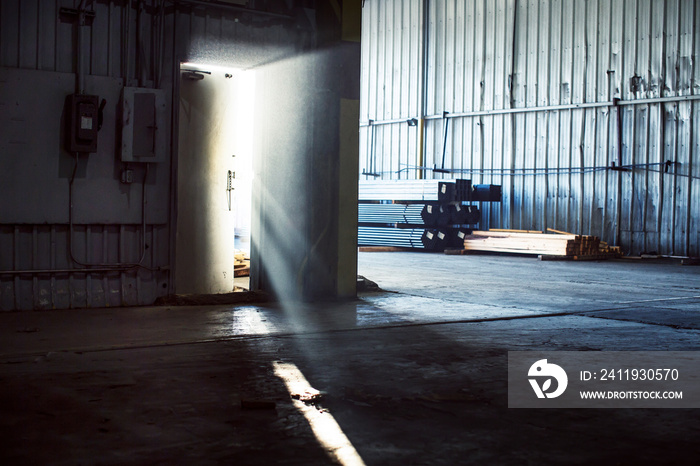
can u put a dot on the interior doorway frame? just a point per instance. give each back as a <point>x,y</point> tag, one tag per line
<point>175,203</point>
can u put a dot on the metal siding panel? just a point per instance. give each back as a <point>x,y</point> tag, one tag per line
<point>417,71</point>
<point>694,169</point>
<point>457,155</point>
<point>64,42</point>
<point>368,68</point>
<point>495,35</point>
<point>43,260</point>
<point>615,67</point>
<point>43,247</point>
<point>381,150</point>
<point>9,32</point>
<point>430,52</point>
<point>375,69</point>
<point>485,124</point>
<point>441,83</point>
<point>518,120</point>
<point>508,121</point>
<point>554,118</point>
<point>590,115</point>
<point>644,114</point>
<point>603,122</point>
<point>365,149</point>
<point>501,39</point>
<point>479,66</point>
<point>655,147</point>
<point>112,42</point>
<point>560,58</point>
<point>466,126</point>
<point>470,56</point>
<point>670,131</point>
<point>28,34</point>
<point>540,160</point>
<point>7,295</point>
<point>401,74</point>
<point>684,156</point>
<point>46,52</point>
<point>449,57</point>
<point>578,117</point>
<point>384,57</point>
<point>628,227</point>
<point>99,39</point>
<point>528,186</point>
<point>636,128</point>
<point>387,62</point>
<point>459,57</point>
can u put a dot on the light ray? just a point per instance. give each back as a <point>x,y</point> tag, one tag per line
<point>327,431</point>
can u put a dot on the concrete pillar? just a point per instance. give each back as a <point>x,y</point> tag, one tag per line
<point>304,231</point>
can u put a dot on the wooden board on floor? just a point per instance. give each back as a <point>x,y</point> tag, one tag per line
<point>459,252</point>
<point>503,230</point>
<point>554,257</point>
<point>383,249</point>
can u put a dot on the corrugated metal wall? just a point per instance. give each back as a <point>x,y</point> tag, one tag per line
<point>137,45</point>
<point>543,97</point>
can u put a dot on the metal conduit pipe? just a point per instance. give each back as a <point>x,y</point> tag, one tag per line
<point>65,271</point>
<point>70,225</point>
<point>161,42</point>
<point>618,215</point>
<point>546,171</point>
<point>127,31</point>
<point>548,108</point>
<point>138,58</point>
<point>230,7</point>
<point>80,74</point>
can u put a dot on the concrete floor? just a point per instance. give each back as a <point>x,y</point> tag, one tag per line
<point>413,375</point>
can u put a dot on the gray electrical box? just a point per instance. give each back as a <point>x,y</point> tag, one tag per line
<point>143,125</point>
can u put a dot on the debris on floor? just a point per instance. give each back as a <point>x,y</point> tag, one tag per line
<point>236,297</point>
<point>308,397</point>
<point>241,264</point>
<point>364,284</point>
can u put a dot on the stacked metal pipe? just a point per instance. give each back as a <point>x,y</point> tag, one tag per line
<point>390,213</point>
<point>397,237</point>
<point>419,214</point>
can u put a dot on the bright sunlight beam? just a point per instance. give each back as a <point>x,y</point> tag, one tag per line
<point>327,431</point>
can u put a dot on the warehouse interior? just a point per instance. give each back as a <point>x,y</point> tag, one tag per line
<point>146,145</point>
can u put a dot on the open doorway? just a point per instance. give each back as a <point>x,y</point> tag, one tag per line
<point>215,177</point>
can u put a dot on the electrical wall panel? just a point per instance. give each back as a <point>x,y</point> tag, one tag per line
<point>82,123</point>
<point>144,125</point>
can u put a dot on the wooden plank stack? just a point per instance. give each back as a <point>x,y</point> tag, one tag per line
<point>555,246</point>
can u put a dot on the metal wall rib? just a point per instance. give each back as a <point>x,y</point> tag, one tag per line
<point>529,87</point>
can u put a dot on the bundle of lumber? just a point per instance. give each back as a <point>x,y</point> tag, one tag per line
<point>548,246</point>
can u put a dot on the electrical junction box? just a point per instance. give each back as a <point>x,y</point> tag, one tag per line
<point>144,125</point>
<point>83,111</point>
